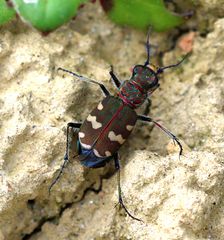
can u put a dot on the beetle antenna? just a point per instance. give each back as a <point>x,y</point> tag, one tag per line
<point>148,47</point>
<point>160,70</point>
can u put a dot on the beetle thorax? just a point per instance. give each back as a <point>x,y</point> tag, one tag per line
<point>142,83</point>
<point>133,94</point>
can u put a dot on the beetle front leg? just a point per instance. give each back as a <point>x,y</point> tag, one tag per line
<point>170,134</point>
<point>85,79</point>
<point>66,160</point>
<point>117,166</point>
<point>148,104</point>
<point>114,78</point>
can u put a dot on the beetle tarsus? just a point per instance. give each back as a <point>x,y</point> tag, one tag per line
<point>117,166</point>
<point>126,210</point>
<point>175,139</point>
<point>59,174</point>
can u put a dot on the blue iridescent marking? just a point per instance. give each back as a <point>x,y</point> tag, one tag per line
<point>90,159</point>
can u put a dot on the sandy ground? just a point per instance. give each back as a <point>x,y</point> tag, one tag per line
<point>175,198</point>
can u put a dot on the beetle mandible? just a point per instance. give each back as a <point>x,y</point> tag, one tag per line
<point>108,126</point>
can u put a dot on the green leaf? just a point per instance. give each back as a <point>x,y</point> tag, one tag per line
<point>141,13</point>
<point>6,13</point>
<point>47,15</point>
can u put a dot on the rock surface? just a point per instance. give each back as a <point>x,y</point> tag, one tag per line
<point>175,198</point>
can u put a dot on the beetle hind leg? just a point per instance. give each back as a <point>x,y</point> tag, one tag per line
<point>74,126</point>
<point>121,202</point>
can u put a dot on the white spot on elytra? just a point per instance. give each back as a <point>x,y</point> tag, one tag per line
<point>100,106</point>
<point>108,153</point>
<point>118,138</point>
<point>95,124</point>
<point>81,134</point>
<point>96,153</point>
<point>129,127</point>
<point>86,146</point>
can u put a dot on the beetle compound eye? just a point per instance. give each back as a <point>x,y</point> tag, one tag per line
<point>135,70</point>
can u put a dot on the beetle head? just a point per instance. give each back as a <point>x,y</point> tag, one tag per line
<point>146,77</point>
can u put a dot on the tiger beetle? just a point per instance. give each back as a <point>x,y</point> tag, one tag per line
<point>108,126</point>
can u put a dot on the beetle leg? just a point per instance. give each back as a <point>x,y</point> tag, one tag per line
<point>114,78</point>
<point>117,166</point>
<point>147,106</point>
<point>170,134</point>
<point>85,79</point>
<point>66,160</point>
<point>73,126</point>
